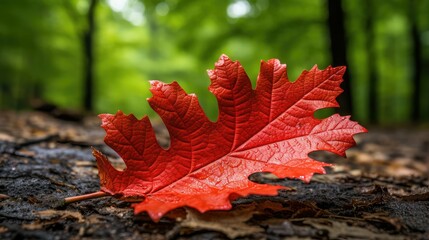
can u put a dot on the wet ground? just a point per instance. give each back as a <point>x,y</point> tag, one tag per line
<point>380,192</point>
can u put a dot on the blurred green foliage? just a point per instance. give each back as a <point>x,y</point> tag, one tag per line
<point>41,54</point>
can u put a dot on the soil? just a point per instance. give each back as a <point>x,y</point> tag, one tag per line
<point>380,192</point>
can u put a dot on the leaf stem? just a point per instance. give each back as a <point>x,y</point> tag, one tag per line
<point>85,197</point>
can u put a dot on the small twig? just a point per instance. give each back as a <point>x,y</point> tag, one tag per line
<point>4,196</point>
<point>85,197</point>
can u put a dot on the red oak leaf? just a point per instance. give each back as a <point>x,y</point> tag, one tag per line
<point>269,129</point>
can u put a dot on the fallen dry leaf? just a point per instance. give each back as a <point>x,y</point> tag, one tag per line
<point>232,223</point>
<point>60,214</point>
<point>344,230</point>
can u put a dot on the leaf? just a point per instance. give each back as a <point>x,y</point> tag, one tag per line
<point>269,129</point>
<point>239,221</point>
<point>59,214</point>
<point>51,217</point>
<point>231,223</point>
<point>352,230</point>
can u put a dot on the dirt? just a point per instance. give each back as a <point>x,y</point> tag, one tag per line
<point>380,192</point>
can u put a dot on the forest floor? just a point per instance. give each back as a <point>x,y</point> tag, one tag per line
<point>380,192</point>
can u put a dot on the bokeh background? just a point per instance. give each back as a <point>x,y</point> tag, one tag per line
<point>98,55</point>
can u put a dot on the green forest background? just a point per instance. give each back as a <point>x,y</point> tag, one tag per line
<point>98,55</point>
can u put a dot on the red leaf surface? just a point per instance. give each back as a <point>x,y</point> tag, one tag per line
<point>269,129</point>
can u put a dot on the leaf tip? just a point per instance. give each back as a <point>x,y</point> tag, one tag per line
<point>273,61</point>
<point>154,84</point>
<point>223,59</point>
<point>223,56</point>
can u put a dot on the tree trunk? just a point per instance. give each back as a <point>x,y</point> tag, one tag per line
<point>88,48</point>
<point>339,51</point>
<point>417,63</point>
<point>371,63</point>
